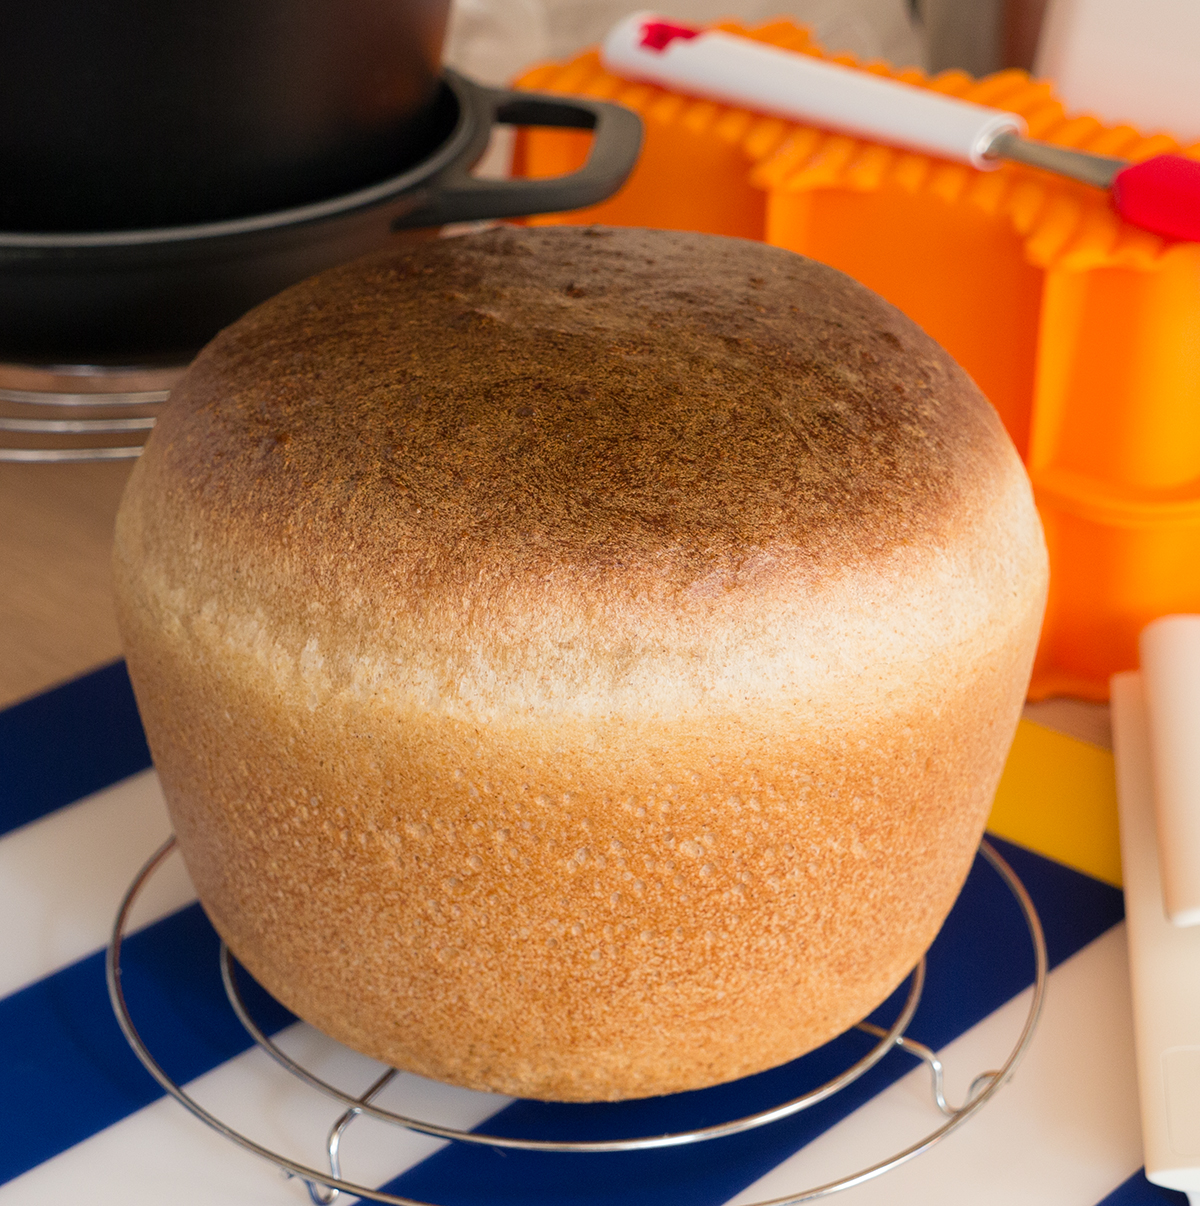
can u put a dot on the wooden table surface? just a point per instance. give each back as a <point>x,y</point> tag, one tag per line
<point>56,611</point>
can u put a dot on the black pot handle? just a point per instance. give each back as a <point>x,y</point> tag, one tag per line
<point>457,196</point>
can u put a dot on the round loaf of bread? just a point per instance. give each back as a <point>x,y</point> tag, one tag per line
<point>579,662</point>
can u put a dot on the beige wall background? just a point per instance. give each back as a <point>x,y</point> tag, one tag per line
<point>493,40</point>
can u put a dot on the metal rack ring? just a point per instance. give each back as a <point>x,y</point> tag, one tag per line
<point>982,1089</point>
<point>26,391</point>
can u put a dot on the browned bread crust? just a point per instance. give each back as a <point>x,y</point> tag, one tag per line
<point>579,662</point>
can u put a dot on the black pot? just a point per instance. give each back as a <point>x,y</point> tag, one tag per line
<point>158,295</point>
<point>129,114</point>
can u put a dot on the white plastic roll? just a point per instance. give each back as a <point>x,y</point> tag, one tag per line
<point>1164,964</point>
<point>752,75</point>
<point>1170,653</point>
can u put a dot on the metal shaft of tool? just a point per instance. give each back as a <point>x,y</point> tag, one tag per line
<point>1097,170</point>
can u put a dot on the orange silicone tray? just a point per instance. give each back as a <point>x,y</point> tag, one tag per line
<point>1083,331</point>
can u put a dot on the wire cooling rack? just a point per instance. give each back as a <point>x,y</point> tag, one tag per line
<point>79,412</point>
<point>325,1186</point>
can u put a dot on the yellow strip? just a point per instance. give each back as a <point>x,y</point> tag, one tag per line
<point>1058,796</point>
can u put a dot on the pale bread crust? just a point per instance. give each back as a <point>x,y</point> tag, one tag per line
<point>579,663</point>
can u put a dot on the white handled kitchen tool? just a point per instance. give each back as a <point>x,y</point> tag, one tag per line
<point>1164,963</point>
<point>1161,194</point>
<point>739,71</point>
<point>1170,654</point>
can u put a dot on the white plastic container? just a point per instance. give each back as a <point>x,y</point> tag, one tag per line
<point>1164,964</point>
<point>1170,655</point>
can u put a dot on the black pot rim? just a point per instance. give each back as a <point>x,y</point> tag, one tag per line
<point>447,153</point>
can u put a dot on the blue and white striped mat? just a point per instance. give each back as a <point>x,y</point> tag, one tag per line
<point>80,810</point>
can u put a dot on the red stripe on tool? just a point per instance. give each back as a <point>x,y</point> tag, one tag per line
<point>658,35</point>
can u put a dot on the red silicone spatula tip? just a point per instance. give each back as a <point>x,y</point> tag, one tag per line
<point>1161,195</point>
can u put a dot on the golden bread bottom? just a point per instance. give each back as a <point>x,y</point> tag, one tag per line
<point>597,912</point>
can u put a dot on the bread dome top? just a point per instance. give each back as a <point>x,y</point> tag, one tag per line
<point>572,470</point>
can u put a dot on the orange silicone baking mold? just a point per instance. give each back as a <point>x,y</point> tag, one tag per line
<point>1082,330</point>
